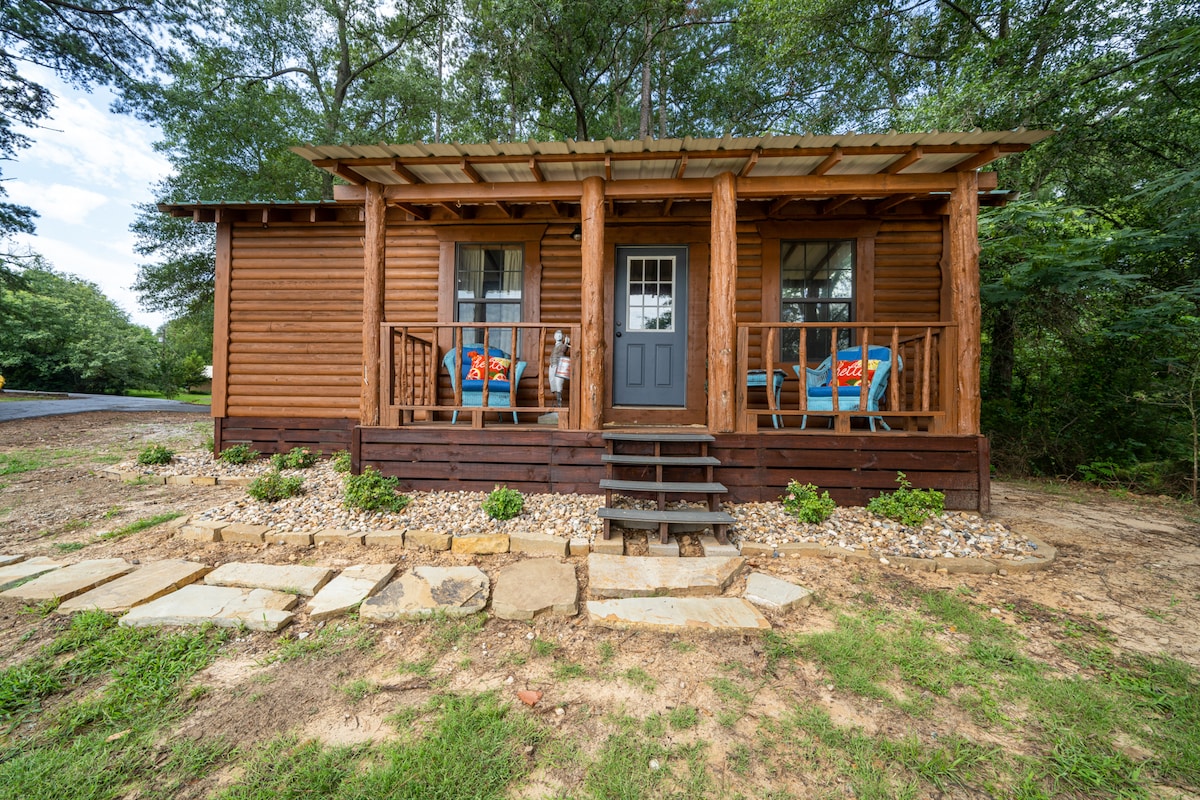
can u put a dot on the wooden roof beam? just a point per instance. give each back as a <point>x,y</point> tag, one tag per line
<point>470,171</point>
<point>404,172</point>
<point>834,203</point>
<point>540,177</point>
<point>608,168</point>
<point>666,206</point>
<point>985,156</point>
<point>888,203</point>
<point>346,173</point>
<point>455,211</point>
<point>829,163</point>
<point>905,161</point>
<point>412,210</point>
<point>683,162</point>
<point>751,163</point>
<point>778,205</point>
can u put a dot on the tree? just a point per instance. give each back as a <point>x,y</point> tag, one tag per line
<point>63,334</point>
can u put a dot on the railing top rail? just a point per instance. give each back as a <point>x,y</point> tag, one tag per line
<point>468,324</point>
<point>934,324</point>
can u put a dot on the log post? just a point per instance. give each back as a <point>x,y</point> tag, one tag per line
<point>592,305</point>
<point>221,301</point>
<point>722,305</point>
<point>964,293</point>
<point>374,252</point>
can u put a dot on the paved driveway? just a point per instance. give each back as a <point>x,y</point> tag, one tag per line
<point>79,403</point>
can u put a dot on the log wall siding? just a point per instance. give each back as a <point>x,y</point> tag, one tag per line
<point>295,320</point>
<point>908,271</point>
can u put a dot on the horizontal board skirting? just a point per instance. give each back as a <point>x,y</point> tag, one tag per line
<point>755,467</point>
<point>270,435</point>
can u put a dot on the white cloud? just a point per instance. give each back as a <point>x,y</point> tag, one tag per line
<point>70,204</point>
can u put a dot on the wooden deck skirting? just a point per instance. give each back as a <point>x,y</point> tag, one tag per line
<point>755,467</point>
<point>269,435</point>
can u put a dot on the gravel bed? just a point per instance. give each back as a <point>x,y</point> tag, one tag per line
<point>953,534</point>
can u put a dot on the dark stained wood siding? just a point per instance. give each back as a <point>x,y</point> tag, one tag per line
<point>295,311</point>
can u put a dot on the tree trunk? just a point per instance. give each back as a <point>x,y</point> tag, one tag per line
<point>644,121</point>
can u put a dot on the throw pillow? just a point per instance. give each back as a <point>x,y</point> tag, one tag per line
<point>496,368</point>
<point>850,372</point>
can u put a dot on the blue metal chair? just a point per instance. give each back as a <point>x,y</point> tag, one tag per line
<point>500,393</point>
<point>820,393</point>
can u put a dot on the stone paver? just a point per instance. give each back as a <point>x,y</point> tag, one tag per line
<point>612,546</point>
<point>69,581</point>
<point>750,549</point>
<point>13,574</point>
<point>203,530</point>
<point>279,577</point>
<point>723,614</point>
<point>659,549</point>
<point>223,606</point>
<point>642,576</point>
<point>417,538</point>
<point>337,536</point>
<point>241,532</point>
<point>481,544</point>
<point>714,549</point>
<point>391,538</point>
<point>580,547</point>
<point>290,537</point>
<point>423,591</point>
<point>771,592</point>
<point>147,583</point>
<point>5,560</point>
<point>538,544</point>
<point>351,587</point>
<point>534,587</point>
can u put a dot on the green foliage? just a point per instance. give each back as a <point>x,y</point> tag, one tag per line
<point>155,454</point>
<point>371,491</point>
<point>803,502</point>
<point>908,505</point>
<point>275,486</point>
<point>296,458</point>
<point>340,461</point>
<point>238,454</point>
<point>503,503</point>
<point>62,334</point>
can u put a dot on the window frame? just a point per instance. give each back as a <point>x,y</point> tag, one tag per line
<point>845,339</point>
<point>485,302</point>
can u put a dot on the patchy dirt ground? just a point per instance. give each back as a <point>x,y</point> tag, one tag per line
<point>1130,566</point>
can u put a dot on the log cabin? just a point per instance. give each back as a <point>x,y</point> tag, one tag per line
<point>682,272</point>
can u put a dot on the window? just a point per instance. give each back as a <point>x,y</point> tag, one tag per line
<point>488,280</point>
<point>817,285</point>
<point>651,294</point>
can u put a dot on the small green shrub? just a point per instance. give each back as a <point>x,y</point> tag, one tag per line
<point>371,491</point>
<point>340,461</point>
<point>238,454</point>
<point>803,503</point>
<point>908,505</point>
<point>503,503</point>
<point>274,486</point>
<point>155,454</point>
<point>296,458</point>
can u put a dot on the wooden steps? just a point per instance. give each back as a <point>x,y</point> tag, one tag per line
<point>661,517</point>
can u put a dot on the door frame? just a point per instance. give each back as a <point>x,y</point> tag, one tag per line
<point>696,239</point>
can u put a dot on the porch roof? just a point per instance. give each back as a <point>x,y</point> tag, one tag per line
<point>665,159</point>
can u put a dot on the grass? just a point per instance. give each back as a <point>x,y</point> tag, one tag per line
<point>183,397</point>
<point>69,547</point>
<point>328,641</point>
<point>139,525</point>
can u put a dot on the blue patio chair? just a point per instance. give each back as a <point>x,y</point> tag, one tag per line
<point>820,393</point>
<point>500,393</point>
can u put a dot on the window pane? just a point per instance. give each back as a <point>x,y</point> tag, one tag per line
<point>489,279</point>
<point>650,299</point>
<point>816,280</point>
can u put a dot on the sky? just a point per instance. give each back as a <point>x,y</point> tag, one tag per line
<point>84,172</point>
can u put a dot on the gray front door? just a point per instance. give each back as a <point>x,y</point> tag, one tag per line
<point>650,327</point>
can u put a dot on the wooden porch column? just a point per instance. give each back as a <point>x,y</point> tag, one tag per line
<point>374,247</point>
<point>964,294</point>
<point>722,305</point>
<point>221,300</point>
<point>592,305</point>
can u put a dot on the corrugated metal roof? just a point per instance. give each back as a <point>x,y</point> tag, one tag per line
<point>501,162</point>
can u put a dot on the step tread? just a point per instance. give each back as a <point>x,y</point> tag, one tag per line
<point>683,487</point>
<point>675,461</point>
<point>638,515</point>
<point>621,436</point>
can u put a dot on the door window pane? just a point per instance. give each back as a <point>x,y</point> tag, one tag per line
<point>651,295</point>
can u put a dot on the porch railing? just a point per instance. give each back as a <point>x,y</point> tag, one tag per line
<point>415,387</point>
<point>917,398</point>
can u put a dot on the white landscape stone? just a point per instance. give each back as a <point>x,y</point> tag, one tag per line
<point>642,576</point>
<point>351,587</point>
<point>223,606</point>
<point>720,614</point>
<point>147,583</point>
<point>278,577</point>
<point>771,592</point>
<point>424,591</point>
<point>15,573</point>
<point>69,581</point>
